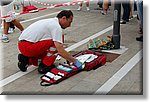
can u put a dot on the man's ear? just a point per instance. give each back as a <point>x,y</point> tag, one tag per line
<point>64,17</point>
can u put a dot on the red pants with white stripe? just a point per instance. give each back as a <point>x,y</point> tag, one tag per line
<point>39,50</point>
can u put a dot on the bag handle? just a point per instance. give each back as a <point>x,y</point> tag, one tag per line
<point>43,83</point>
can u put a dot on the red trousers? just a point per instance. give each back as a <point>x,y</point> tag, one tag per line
<point>40,50</point>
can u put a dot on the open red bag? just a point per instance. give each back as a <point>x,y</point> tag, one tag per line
<point>96,62</point>
<point>64,71</point>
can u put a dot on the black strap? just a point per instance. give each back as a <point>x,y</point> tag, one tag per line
<point>43,83</point>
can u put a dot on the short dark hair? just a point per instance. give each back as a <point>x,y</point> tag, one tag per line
<point>66,13</point>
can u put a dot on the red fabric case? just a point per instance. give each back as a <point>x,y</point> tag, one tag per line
<point>99,61</point>
<point>29,8</point>
<point>63,74</point>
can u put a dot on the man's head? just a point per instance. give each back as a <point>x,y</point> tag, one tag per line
<point>65,18</point>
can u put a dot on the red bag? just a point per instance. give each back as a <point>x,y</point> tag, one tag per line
<point>99,61</point>
<point>64,71</point>
<point>57,74</point>
<point>28,8</point>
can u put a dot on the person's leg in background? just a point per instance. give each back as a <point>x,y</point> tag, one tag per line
<point>135,6</point>
<point>140,14</point>
<point>109,4</point>
<point>126,12</point>
<point>131,4</point>
<point>87,2</point>
<point>80,6</point>
<point>18,25</point>
<point>11,28</point>
<point>6,25</point>
<point>105,8</point>
<point>87,5</point>
<point>100,4</point>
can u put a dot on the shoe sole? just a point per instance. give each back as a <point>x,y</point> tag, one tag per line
<point>22,64</point>
<point>6,41</point>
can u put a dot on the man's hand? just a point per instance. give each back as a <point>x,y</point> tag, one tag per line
<point>62,52</point>
<point>78,64</point>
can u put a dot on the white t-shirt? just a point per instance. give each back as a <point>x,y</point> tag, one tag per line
<point>8,10</point>
<point>43,30</point>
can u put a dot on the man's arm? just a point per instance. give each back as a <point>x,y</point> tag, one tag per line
<point>63,52</point>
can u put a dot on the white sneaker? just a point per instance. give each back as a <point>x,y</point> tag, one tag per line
<point>79,9</point>
<point>5,39</point>
<point>11,30</point>
<point>87,8</point>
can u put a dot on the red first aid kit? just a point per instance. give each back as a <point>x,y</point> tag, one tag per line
<point>57,74</point>
<point>89,59</point>
<point>28,7</point>
<point>98,61</point>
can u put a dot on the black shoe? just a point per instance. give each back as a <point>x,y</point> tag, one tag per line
<point>140,31</point>
<point>130,17</point>
<point>127,20</point>
<point>139,38</point>
<point>42,69</point>
<point>23,62</point>
<point>137,17</point>
<point>103,12</point>
<point>123,22</point>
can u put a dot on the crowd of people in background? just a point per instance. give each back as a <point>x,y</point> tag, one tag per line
<point>103,5</point>
<point>128,7</point>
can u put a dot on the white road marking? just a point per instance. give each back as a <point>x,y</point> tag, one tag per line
<point>14,77</point>
<point>107,86</point>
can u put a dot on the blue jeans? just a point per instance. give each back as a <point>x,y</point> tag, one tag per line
<point>140,12</point>
<point>126,10</point>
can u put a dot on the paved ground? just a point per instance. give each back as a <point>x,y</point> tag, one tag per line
<point>124,75</point>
